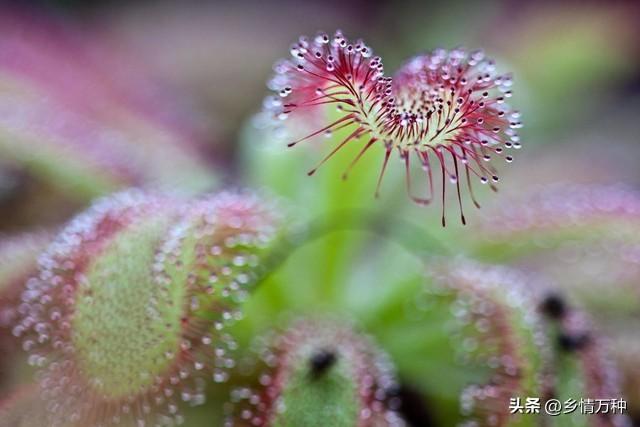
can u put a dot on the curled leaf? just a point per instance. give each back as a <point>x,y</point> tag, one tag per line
<point>319,373</point>
<point>127,316</point>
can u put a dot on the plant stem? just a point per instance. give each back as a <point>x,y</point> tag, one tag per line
<point>413,238</point>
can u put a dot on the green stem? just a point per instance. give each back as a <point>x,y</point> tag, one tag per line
<point>413,238</point>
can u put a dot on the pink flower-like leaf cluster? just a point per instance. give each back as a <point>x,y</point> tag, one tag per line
<point>444,108</point>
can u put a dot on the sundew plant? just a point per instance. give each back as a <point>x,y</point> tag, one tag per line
<point>363,246</point>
